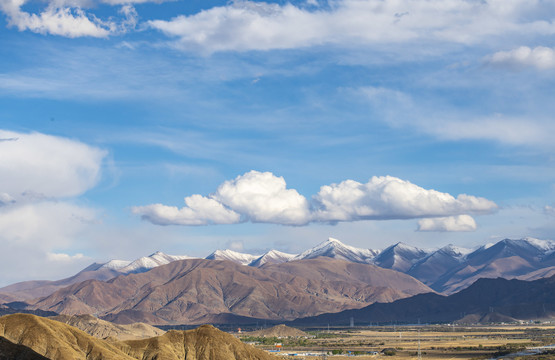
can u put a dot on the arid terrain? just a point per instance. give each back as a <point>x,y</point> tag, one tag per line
<point>402,342</point>
<point>26,336</point>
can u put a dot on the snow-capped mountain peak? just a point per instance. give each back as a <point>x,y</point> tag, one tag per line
<point>115,264</point>
<point>146,263</point>
<point>400,257</point>
<point>543,245</point>
<point>272,257</point>
<point>237,257</point>
<point>336,249</point>
<point>455,251</point>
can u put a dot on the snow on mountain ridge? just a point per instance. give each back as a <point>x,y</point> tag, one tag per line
<point>543,245</point>
<point>237,257</point>
<point>272,257</point>
<point>455,251</point>
<point>336,249</point>
<point>115,264</point>
<point>149,262</point>
<point>400,257</point>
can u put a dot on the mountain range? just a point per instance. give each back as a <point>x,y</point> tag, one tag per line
<point>198,291</point>
<point>445,270</point>
<point>229,286</point>
<point>486,300</point>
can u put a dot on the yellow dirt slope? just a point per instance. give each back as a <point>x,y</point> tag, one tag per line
<point>55,340</point>
<point>102,329</point>
<point>202,343</point>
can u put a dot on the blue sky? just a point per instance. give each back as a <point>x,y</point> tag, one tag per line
<point>279,123</point>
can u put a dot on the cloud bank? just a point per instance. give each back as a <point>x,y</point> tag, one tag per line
<point>450,223</point>
<point>40,175</point>
<point>244,25</point>
<point>262,197</point>
<point>39,165</point>
<point>249,25</point>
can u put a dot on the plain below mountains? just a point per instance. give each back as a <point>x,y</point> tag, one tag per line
<point>199,291</point>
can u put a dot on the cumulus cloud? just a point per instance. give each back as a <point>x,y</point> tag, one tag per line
<point>540,57</point>
<point>249,25</point>
<point>450,223</point>
<point>387,197</point>
<point>264,198</point>
<point>199,210</point>
<point>47,166</point>
<point>254,196</point>
<point>549,210</point>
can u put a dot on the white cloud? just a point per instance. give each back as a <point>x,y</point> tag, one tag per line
<point>254,196</point>
<point>67,18</point>
<point>64,21</point>
<point>61,257</point>
<point>47,166</point>
<point>249,25</point>
<point>450,223</point>
<point>388,197</point>
<point>539,57</point>
<point>44,224</point>
<point>199,211</point>
<point>39,174</point>
<point>264,197</point>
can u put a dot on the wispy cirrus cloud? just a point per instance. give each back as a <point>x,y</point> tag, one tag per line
<point>68,19</point>
<point>249,25</point>
<point>403,110</point>
<point>264,198</point>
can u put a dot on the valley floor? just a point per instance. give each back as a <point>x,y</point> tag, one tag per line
<point>436,342</point>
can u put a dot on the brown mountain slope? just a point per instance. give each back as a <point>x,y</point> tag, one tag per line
<point>502,299</point>
<point>188,291</point>
<point>508,268</point>
<point>538,274</point>
<point>202,343</point>
<point>102,329</point>
<point>56,340</point>
<point>28,290</point>
<point>507,258</point>
<point>278,331</point>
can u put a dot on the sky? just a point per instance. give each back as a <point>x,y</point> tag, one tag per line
<point>186,126</point>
